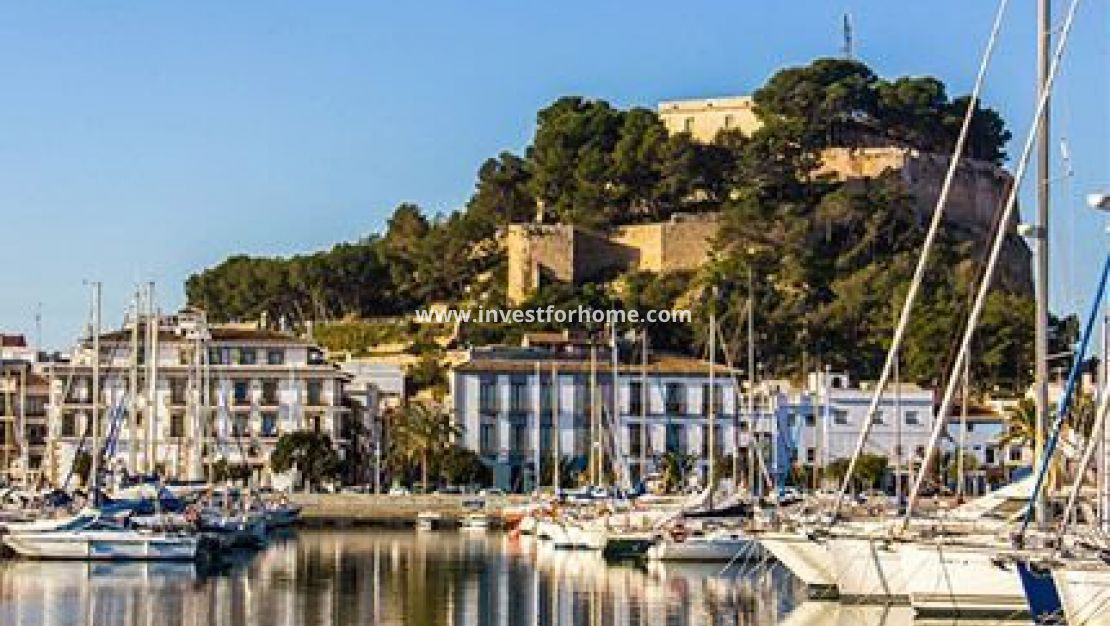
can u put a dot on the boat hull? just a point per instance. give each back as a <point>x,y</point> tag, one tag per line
<point>706,550</point>
<point>953,580</point>
<point>808,559</point>
<point>1085,593</point>
<point>869,570</point>
<point>103,546</point>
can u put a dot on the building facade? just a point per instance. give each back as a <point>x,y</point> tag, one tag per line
<point>181,397</point>
<point>520,407</point>
<point>24,394</point>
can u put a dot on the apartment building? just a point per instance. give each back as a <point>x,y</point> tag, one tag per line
<point>180,396</point>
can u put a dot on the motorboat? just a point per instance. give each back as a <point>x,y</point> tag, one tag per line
<point>475,521</point>
<point>88,537</point>
<point>714,546</point>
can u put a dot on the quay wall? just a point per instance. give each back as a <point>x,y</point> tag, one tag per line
<point>358,508</point>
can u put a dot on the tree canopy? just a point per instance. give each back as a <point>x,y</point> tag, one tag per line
<point>831,260</point>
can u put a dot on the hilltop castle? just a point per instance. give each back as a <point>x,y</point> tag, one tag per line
<point>560,252</point>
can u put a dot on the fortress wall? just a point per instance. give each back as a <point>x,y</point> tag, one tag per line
<point>536,251</point>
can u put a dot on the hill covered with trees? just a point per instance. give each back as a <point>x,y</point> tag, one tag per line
<point>830,260</point>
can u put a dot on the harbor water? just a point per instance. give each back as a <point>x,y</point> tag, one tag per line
<point>371,576</point>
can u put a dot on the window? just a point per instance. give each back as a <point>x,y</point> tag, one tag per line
<point>240,389</point>
<point>239,427</point>
<point>688,125</point>
<point>919,451</point>
<point>728,121</point>
<point>912,418</point>
<point>275,357</point>
<point>581,395</point>
<point>718,444</point>
<point>711,394</point>
<point>581,439</point>
<point>1015,453</point>
<point>840,416</point>
<point>877,419</point>
<point>635,398</point>
<point>269,424</point>
<point>177,390</point>
<point>248,356</point>
<point>69,425</point>
<point>989,455</point>
<point>518,395</point>
<point>487,395</point>
<point>811,419</point>
<point>676,399</point>
<point>315,393</point>
<point>635,441</point>
<point>270,392</point>
<point>676,440</point>
<point>546,401</point>
<point>811,455</point>
<point>177,425</point>
<point>488,439</point>
<point>520,441</point>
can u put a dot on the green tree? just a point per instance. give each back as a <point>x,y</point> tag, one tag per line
<point>311,453</point>
<point>422,431</point>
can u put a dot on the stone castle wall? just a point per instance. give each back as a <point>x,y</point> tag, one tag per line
<point>560,252</point>
<point>542,252</point>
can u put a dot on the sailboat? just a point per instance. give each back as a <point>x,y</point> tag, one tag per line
<point>89,537</point>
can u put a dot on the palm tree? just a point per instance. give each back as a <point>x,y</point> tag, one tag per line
<point>424,429</point>
<point>1021,424</point>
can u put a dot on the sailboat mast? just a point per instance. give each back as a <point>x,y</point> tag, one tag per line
<point>643,404</point>
<point>595,426</point>
<point>537,441</point>
<point>615,430</point>
<point>712,435</point>
<point>152,387</point>
<point>1044,62</point>
<point>133,387</point>
<point>94,468</point>
<point>556,426</point>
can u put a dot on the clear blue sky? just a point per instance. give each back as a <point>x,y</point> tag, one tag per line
<point>150,140</point>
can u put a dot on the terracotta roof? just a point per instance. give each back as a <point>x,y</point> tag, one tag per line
<point>660,364</point>
<point>219,334</point>
<point>13,341</point>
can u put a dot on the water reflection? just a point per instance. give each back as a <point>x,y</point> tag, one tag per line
<point>371,576</point>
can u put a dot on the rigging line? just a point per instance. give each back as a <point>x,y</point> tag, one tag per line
<point>996,248</point>
<point>922,263</point>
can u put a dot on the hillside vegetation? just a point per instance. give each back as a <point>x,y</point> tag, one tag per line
<point>830,260</point>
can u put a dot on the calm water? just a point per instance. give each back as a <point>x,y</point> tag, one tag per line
<point>373,576</point>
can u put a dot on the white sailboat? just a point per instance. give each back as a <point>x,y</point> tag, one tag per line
<point>88,537</point>
<point>714,546</point>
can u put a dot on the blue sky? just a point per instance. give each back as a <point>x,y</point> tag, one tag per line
<point>146,141</point>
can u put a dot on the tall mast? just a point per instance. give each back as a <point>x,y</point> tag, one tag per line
<point>152,382</point>
<point>616,430</point>
<point>595,427</point>
<point>643,403</point>
<point>711,479</point>
<point>1044,61</point>
<point>751,384</point>
<point>94,469</point>
<point>897,427</point>
<point>536,436</point>
<point>133,388</point>
<point>556,426</point>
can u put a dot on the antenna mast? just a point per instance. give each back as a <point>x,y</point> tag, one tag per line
<point>847,50</point>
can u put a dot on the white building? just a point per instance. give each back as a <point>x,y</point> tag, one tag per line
<point>503,398</point>
<point>219,393</point>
